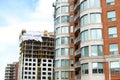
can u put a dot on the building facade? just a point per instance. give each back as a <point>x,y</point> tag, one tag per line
<point>64,23</point>
<point>11,71</point>
<point>96,39</point>
<point>36,55</point>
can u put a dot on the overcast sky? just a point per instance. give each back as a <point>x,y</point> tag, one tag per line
<point>15,15</point>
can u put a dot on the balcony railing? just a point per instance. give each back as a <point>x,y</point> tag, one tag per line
<point>77,16</point>
<point>77,39</point>
<point>76,5</point>
<point>76,28</point>
<point>77,77</point>
<point>77,52</point>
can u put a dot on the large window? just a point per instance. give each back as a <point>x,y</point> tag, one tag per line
<point>97,67</point>
<point>64,29</point>
<point>58,53</point>
<point>58,11</point>
<point>94,3</point>
<point>85,68</point>
<point>83,5</point>
<point>64,63</point>
<point>85,51</point>
<point>64,51</point>
<point>58,31</point>
<point>84,20</point>
<point>111,15</point>
<point>96,34</point>
<point>56,75</point>
<point>84,36</point>
<point>115,67</point>
<point>97,50</point>
<point>58,2</point>
<point>64,40</point>
<point>71,8</point>
<point>113,49</point>
<point>64,75</point>
<point>71,51</point>
<point>57,63</point>
<point>71,18</point>
<point>64,9</point>
<point>57,41</point>
<point>95,18</point>
<point>112,32</point>
<point>57,21</point>
<point>110,2</point>
<point>64,19</point>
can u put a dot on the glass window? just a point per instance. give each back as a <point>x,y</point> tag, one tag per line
<point>64,51</point>
<point>95,18</point>
<point>64,29</point>
<point>84,36</point>
<point>110,2</point>
<point>64,1</point>
<point>64,19</point>
<point>71,40</point>
<point>71,63</point>
<point>113,49</point>
<point>115,67</point>
<point>58,2</point>
<point>84,20</point>
<point>71,18</point>
<point>57,21</point>
<point>85,68</point>
<point>71,28</point>
<point>58,31</point>
<point>56,75</point>
<point>94,3</point>
<point>85,51</point>
<point>112,32</point>
<point>64,40</point>
<point>58,11</point>
<point>83,5</point>
<point>57,41</point>
<point>58,52</point>
<point>71,7</point>
<point>71,51</point>
<point>111,15</point>
<point>57,63</point>
<point>64,63</point>
<point>64,75</point>
<point>96,34</point>
<point>64,9</point>
<point>97,50</point>
<point>97,67</point>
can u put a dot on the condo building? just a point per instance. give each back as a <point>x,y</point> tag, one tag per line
<point>11,71</point>
<point>93,26</point>
<point>36,55</point>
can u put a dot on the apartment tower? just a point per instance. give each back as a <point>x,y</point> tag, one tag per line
<point>11,71</point>
<point>36,55</point>
<point>64,22</point>
<point>96,39</point>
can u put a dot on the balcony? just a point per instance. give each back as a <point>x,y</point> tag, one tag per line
<point>77,77</point>
<point>77,16</point>
<point>77,40</point>
<point>77,28</point>
<point>77,52</point>
<point>77,5</point>
<point>77,64</point>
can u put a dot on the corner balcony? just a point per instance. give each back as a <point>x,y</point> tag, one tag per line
<point>77,77</point>
<point>77,28</point>
<point>77,65</point>
<point>76,16</point>
<point>77,52</point>
<point>77,5</point>
<point>77,39</point>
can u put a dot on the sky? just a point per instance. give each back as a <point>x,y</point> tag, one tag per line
<point>15,15</point>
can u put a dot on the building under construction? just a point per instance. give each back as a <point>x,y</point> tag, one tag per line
<point>36,55</point>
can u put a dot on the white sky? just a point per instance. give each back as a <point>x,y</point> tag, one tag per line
<point>15,15</point>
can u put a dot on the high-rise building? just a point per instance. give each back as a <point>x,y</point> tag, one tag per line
<point>96,39</point>
<point>36,55</point>
<point>64,35</point>
<point>11,71</point>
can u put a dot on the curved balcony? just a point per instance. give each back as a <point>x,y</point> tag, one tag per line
<point>77,16</point>
<point>77,52</point>
<point>77,64</point>
<point>77,40</point>
<point>77,28</point>
<point>77,5</point>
